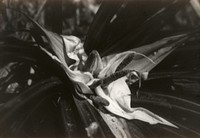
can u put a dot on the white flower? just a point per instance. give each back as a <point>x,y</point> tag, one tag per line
<point>105,78</point>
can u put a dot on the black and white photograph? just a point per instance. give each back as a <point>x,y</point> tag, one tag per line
<point>99,68</point>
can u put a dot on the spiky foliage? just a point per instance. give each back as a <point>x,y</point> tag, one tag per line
<point>146,49</point>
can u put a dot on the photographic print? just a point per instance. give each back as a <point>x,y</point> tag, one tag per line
<point>100,68</point>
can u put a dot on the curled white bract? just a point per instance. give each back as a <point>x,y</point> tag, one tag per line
<point>117,92</point>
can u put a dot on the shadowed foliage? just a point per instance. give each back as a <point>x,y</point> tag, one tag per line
<point>37,99</point>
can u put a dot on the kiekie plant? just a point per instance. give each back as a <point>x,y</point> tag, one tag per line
<point>104,80</point>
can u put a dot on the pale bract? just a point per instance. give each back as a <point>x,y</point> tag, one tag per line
<point>117,91</point>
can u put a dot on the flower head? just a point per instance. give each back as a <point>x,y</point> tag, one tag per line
<point>104,82</point>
